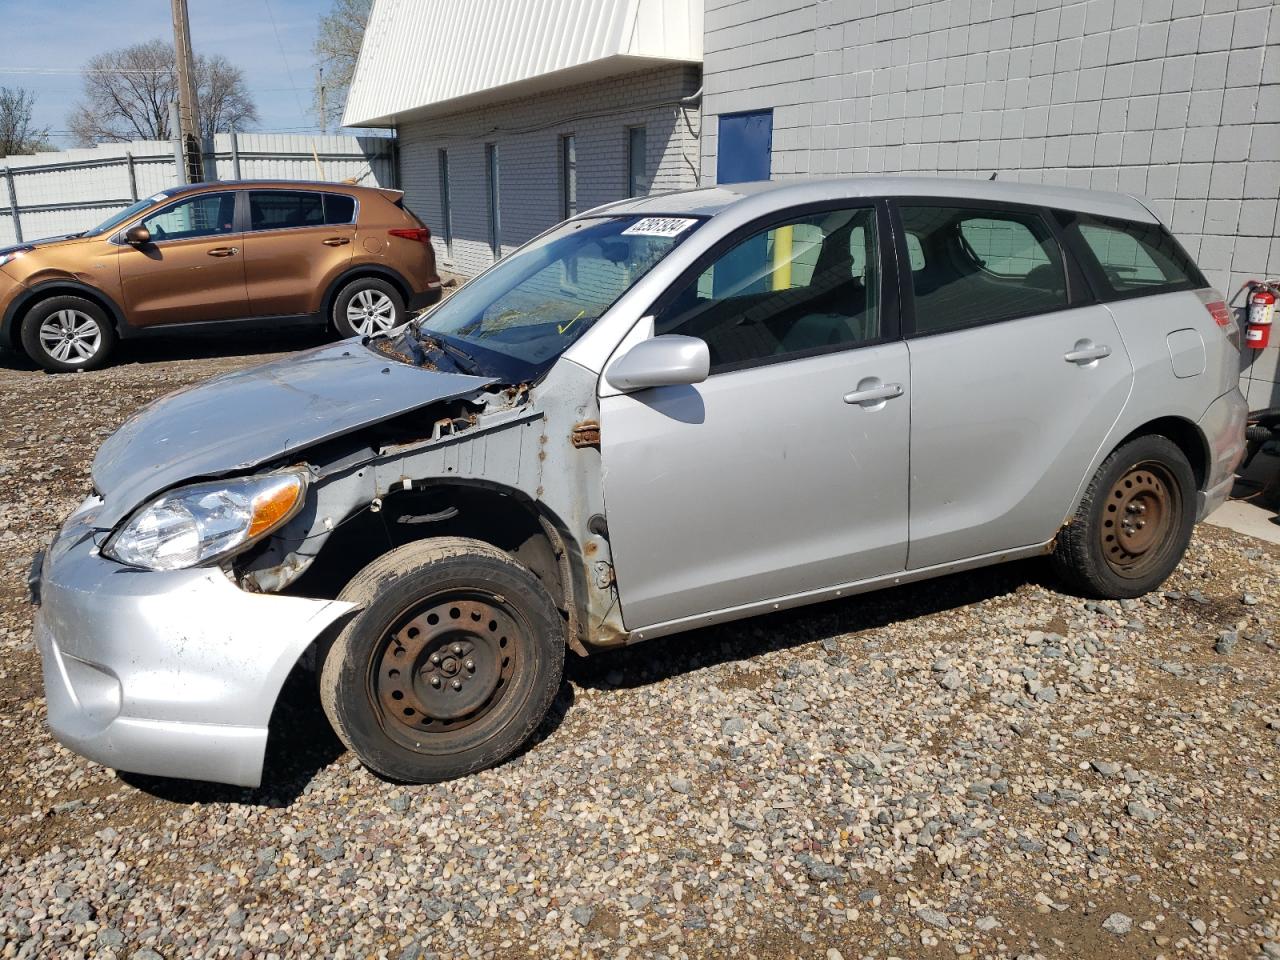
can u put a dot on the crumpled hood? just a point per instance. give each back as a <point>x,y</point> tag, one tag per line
<point>235,422</point>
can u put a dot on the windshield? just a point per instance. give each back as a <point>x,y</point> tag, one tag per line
<point>116,219</point>
<point>515,320</point>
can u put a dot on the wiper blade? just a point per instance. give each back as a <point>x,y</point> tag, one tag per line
<point>455,351</point>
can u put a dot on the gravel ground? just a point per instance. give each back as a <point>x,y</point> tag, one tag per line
<point>976,766</point>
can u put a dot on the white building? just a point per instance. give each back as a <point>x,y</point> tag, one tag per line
<point>546,106</point>
<point>513,114</point>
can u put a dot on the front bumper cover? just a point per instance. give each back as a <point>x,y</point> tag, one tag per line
<point>172,674</point>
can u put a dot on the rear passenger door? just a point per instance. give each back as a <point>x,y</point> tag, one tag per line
<point>297,242</point>
<point>1017,377</point>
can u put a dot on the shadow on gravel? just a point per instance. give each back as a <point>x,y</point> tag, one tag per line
<point>657,660</point>
<point>210,346</point>
<point>300,743</point>
<point>197,346</point>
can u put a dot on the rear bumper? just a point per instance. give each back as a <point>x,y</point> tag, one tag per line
<point>1223,426</point>
<point>428,297</point>
<point>172,674</point>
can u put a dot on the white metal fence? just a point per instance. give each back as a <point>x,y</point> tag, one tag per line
<point>48,194</point>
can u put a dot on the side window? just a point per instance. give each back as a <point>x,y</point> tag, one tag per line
<point>1136,257</point>
<point>979,266</point>
<point>801,287</point>
<point>1005,248</point>
<point>205,215</point>
<point>339,209</point>
<point>280,209</point>
<point>915,252</point>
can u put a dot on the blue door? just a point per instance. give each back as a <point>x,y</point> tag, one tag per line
<point>745,146</point>
<point>744,152</point>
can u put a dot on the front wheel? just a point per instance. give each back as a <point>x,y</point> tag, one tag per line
<point>68,333</point>
<point>450,665</point>
<point>1133,524</point>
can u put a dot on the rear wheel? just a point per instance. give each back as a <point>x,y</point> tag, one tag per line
<point>1134,522</point>
<point>366,307</point>
<point>68,333</point>
<point>450,665</point>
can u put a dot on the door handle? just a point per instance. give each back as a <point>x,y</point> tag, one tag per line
<point>335,241</point>
<point>871,392</point>
<point>1086,352</point>
<point>224,251</point>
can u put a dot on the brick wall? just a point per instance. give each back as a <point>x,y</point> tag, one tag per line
<point>1176,100</point>
<point>527,133</point>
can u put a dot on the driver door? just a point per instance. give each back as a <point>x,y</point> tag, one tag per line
<point>786,470</point>
<point>192,270</point>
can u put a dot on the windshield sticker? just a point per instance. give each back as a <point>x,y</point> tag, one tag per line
<point>158,197</point>
<point>659,227</point>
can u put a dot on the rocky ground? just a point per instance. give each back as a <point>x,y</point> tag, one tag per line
<point>976,766</point>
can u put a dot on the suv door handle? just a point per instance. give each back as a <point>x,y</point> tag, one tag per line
<point>335,241</point>
<point>871,392</point>
<point>1085,353</point>
<point>224,251</point>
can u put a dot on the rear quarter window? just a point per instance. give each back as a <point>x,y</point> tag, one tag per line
<point>339,208</point>
<point>1134,258</point>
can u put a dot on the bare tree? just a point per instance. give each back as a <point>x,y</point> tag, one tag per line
<point>17,132</point>
<point>127,94</point>
<point>338,40</point>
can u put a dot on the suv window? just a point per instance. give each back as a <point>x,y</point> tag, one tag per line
<point>980,265</point>
<point>281,209</point>
<point>801,287</point>
<point>204,215</point>
<point>1136,257</point>
<point>339,209</point>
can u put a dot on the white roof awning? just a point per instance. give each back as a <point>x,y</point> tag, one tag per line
<point>422,58</point>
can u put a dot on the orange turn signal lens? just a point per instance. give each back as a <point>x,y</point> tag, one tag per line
<point>276,504</point>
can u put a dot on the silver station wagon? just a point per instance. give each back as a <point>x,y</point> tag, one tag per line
<point>665,413</point>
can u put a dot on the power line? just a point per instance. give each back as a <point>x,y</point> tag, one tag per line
<point>284,59</point>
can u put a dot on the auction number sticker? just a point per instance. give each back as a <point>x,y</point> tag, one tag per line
<point>659,227</point>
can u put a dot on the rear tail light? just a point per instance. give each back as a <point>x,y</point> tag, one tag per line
<point>1221,314</point>
<point>421,234</point>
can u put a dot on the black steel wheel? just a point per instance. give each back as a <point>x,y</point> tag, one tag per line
<point>1133,523</point>
<point>451,663</point>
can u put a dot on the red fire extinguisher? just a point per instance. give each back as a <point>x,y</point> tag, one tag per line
<point>1262,311</point>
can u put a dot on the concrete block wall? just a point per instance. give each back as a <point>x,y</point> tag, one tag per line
<point>527,133</point>
<point>1175,100</point>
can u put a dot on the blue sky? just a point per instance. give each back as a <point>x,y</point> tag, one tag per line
<point>42,44</point>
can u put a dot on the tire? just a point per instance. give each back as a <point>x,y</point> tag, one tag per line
<point>366,307</point>
<point>1133,524</point>
<point>68,333</point>
<point>453,610</point>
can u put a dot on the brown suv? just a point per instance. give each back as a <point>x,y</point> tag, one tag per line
<point>209,254</point>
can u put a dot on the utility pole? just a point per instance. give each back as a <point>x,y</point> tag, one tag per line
<point>324,121</point>
<point>188,106</point>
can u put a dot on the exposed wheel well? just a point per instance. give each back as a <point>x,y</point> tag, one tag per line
<point>499,517</point>
<point>1187,436</point>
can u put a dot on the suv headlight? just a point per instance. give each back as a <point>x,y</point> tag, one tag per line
<point>206,521</point>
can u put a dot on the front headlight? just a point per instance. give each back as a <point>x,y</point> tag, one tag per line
<point>207,521</point>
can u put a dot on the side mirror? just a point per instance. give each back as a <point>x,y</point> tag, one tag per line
<point>137,235</point>
<point>664,361</point>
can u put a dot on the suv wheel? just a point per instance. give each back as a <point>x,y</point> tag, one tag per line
<point>1134,523</point>
<point>450,665</point>
<point>366,307</point>
<point>68,333</point>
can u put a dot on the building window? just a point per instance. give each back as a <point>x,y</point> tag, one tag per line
<point>637,162</point>
<point>446,204</point>
<point>491,183</point>
<point>568,177</point>
<point>744,146</point>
